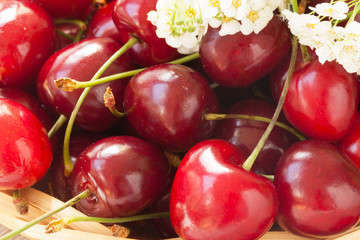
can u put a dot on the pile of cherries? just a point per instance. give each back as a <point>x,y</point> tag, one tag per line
<point>172,109</point>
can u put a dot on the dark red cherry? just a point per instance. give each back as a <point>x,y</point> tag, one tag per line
<point>79,141</point>
<point>65,8</point>
<point>212,197</point>
<point>350,144</point>
<point>318,189</point>
<point>322,100</point>
<point>246,133</point>
<point>130,18</point>
<point>69,29</point>
<point>102,24</point>
<point>27,36</point>
<point>126,175</point>
<point>166,105</point>
<point>25,150</point>
<point>238,60</point>
<point>81,61</point>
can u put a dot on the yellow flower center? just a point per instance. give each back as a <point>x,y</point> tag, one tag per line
<point>190,12</point>
<point>310,25</point>
<point>253,15</point>
<point>236,3</point>
<point>215,3</point>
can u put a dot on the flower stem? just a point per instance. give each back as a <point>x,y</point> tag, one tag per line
<point>69,203</point>
<point>217,116</point>
<point>294,5</point>
<point>66,154</point>
<point>251,159</point>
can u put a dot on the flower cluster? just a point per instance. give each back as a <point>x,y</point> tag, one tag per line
<point>183,23</point>
<point>319,30</point>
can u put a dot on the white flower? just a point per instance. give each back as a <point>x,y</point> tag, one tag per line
<point>348,54</point>
<point>229,27</point>
<point>336,11</point>
<point>234,8</point>
<point>258,15</point>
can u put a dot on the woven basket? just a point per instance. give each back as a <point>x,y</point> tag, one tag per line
<point>40,203</point>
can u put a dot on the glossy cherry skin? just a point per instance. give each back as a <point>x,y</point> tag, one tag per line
<point>25,148</point>
<point>130,18</point>
<point>166,105</point>
<point>350,144</point>
<point>318,189</point>
<point>79,141</point>
<point>238,60</point>
<point>69,29</point>
<point>322,101</point>
<point>65,8</point>
<point>246,133</point>
<point>27,36</point>
<point>101,24</point>
<point>81,61</point>
<point>212,197</point>
<point>126,175</point>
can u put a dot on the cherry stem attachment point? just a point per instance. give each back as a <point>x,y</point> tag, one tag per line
<point>58,224</point>
<point>174,159</point>
<point>66,154</point>
<point>251,159</point>
<point>21,205</point>
<point>35,221</point>
<point>217,116</point>
<point>109,102</point>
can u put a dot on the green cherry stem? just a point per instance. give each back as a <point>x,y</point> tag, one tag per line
<point>68,84</point>
<point>57,225</point>
<point>21,205</point>
<point>66,154</point>
<point>251,159</point>
<point>57,125</point>
<point>35,221</point>
<point>217,116</point>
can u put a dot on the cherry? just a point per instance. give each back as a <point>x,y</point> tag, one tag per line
<point>65,8</point>
<point>239,60</point>
<point>79,141</point>
<point>246,133</point>
<point>318,189</point>
<point>126,174</point>
<point>212,197</point>
<point>71,31</point>
<point>25,148</point>
<point>350,144</point>
<point>102,24</point>
<point>166,105</point>
<point>130,18</point>
<point>27,36</point>
<point>80,61</point>
<point>322,100</point>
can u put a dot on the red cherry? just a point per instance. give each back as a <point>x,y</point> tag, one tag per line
<point>27,36</point>
<point>102,24</point>
<point>319,190</point>
<point>65,8</point>
<point>239,60</point>
<point>246,133</point>
<point>166,105</point>
<point>126,175</point>
<point>322,101</point>
<point>81,61</point>
<point>130,17</point>
<point>350,144</point>
<point>212,197</point>
<point>70,29</point>
<point>25,148</point>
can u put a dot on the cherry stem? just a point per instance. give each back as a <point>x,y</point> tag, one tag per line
<point>81,24</point>
<point>58,224</point>
<point>66,154</point>
<point>270,177</point>
<point>174,159</point>
<point>294,5</point>
<point>251,159</point>
<point>71,84</point>
<point>216,116</point>
<point>57,125</point>
<point>21,205</point>
<point>69,203</point>
<point>109,102</point>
